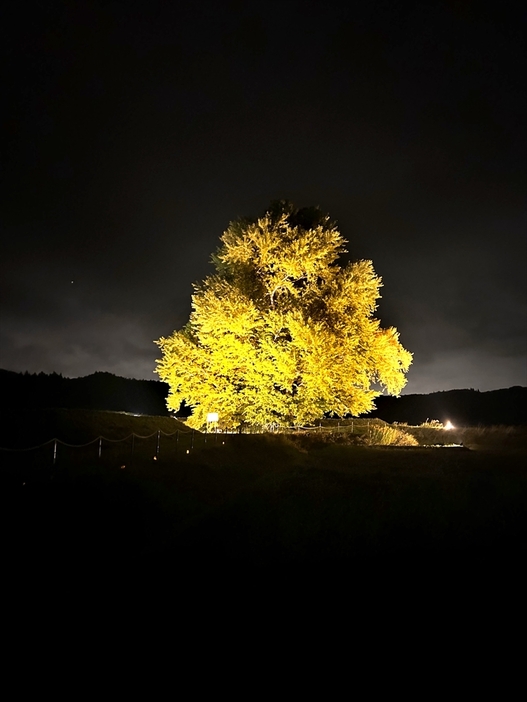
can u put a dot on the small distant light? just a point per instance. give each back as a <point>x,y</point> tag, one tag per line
<point>212,417</point>
<point>155,458</point>
<point>188,451</point>
<point>123,467</point>
<point>449,425</point>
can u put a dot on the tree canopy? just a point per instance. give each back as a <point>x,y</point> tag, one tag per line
<point>281,334</point>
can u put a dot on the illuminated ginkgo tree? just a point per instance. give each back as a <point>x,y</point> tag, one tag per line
<point>282,334</point>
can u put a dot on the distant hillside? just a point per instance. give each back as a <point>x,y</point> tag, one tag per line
<point>99,391</point>
<point>461,407</point>
<point>105,391</point>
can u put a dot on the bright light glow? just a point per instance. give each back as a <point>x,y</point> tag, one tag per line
<point>449,425</point>
<point>212,417</point>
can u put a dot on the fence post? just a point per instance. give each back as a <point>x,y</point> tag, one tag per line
<point>100,447</point>
<point>192,439</point>
<point>54,451</point>
<point>157,447</point>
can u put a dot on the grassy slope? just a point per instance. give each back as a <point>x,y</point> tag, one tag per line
<point>260,501</point>
<point>264,502</point>
<point>336,504</point>
<point>26,428</point>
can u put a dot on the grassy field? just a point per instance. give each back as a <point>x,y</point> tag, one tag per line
<point>207,504</point>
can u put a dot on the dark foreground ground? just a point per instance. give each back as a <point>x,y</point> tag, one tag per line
<point>265,505</point>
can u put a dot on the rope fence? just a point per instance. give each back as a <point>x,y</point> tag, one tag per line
<point>194,439</point>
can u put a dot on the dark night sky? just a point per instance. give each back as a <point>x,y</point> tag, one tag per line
<point>133,132</point>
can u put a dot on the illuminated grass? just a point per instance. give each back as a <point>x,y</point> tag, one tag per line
<point>495,437</point>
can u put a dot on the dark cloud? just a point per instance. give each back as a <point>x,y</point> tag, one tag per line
<point>134,132</point>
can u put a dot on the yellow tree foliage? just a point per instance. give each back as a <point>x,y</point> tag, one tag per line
<point>282,334</point>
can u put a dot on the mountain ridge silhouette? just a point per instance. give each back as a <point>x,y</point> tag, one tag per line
<point>105,391</point>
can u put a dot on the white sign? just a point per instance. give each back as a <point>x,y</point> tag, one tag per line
<point>212,417</point>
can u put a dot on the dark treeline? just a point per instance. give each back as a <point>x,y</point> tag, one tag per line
<point>463,408</point>
<point>105,391</point>
<point>100,391</point>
